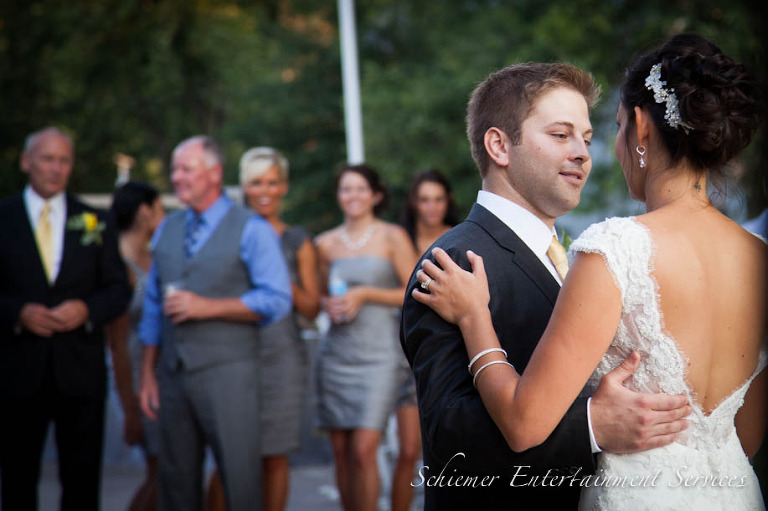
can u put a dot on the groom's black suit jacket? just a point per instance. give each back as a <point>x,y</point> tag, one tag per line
<point>453,418</point>
<point>72,362</point>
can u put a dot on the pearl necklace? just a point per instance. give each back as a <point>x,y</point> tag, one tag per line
<point>360,243</point>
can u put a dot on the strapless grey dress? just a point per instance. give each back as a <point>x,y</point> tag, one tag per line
<point>358,362</point>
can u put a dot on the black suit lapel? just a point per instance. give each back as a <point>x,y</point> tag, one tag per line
<point>71,239</point>
<point>521,254</point>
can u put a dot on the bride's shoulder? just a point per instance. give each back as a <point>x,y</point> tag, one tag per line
<point>613,228</point>
<point>620,240</point>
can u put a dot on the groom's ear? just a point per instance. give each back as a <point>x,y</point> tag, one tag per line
<point>497,145</point>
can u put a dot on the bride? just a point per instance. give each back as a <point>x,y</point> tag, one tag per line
<point>682,287</point>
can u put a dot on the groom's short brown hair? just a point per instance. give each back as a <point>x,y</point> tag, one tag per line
<point>506,97</point>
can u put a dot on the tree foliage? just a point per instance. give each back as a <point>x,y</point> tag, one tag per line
<point>137,76</point>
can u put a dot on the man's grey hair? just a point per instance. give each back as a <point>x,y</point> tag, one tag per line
<point>33,138</point>
<point>211,148</point>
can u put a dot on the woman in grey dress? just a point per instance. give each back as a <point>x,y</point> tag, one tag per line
<point>284,361</point>
<point>364,264</point>
<point>138,211</point>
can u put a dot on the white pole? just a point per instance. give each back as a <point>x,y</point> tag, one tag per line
<point>353,117</point>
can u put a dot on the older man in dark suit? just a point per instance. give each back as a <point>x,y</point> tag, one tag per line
<point>529,130</point>
<point>61,280</point>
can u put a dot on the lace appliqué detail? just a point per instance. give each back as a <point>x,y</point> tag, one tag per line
<point>710,443</point>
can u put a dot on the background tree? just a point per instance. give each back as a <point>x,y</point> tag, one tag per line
<point>137,76</point>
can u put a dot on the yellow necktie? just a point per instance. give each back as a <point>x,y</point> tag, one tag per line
<point>556,254</point>
<point>44,238</point>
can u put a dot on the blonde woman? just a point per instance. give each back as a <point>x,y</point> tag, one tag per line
<point>284,361</point>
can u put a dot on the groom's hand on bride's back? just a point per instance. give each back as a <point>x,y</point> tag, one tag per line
<point>627,421</point>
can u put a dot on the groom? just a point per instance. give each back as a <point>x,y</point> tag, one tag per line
<point>529,130</point>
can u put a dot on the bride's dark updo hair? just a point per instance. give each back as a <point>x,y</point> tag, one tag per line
<point>718,100</point>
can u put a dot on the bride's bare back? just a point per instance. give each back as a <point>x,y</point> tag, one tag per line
<point>711,275</point>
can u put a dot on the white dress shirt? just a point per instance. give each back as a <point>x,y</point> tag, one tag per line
<point>57,217</point>
<point>528,227</point>
<point>537,236</point>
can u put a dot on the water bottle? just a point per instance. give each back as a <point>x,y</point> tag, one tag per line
<point>336,286</point>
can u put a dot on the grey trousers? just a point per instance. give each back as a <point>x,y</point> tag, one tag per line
<point>218,407</point>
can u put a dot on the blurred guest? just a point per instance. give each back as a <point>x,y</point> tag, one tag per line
<point>217,274</point>
<point>61,281</point>
<point>759,224</point>
<point>284,360</point>
<point>137,211</point>
<point>430,210</point>
<point>429,213</point>
<point>364,264</point>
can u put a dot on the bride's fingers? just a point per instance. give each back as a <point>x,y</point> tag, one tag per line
<point>444,260</point>
<point>431,269</point>
<point>422,278</point>
<point>478,268</point>
<point>420,296</point>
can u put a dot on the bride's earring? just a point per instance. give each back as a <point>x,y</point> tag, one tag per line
<point>641,151</point>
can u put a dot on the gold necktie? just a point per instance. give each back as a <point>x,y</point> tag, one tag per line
<point>44,238</point>
<point>556,254</point>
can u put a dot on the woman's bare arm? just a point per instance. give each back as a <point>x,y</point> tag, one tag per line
<point>306,294</point>
<point>750,420</point>
<point>583,323</point>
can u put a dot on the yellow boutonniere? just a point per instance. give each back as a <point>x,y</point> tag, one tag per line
<point>567,240</point>
<point>90,225</point>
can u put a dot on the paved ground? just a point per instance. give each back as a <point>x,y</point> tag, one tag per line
<point>312,488</point>
<point>312,480</point>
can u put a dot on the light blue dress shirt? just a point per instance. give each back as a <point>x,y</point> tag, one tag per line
<point>270,293</point>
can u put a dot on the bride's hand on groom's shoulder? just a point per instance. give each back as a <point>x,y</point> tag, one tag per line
<point>455,294</point>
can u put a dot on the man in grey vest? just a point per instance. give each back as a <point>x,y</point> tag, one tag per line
<point>217,274</point>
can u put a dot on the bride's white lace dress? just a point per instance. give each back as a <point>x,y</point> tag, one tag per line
<point>706,468</point>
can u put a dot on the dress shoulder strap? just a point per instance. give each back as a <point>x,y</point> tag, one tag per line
<point>626,247</point>
<point>294,236</point>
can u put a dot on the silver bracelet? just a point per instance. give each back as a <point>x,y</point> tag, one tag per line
<point>484,352</point>
<point>474,378</point>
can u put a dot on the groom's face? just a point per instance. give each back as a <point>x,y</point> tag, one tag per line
<point>550,166</point>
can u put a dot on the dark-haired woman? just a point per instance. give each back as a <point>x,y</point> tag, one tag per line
<point>364,264</point>
<point>137,211</point>
<point>681,288</point>
<point>429,213</point>
<point>430,210</point>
